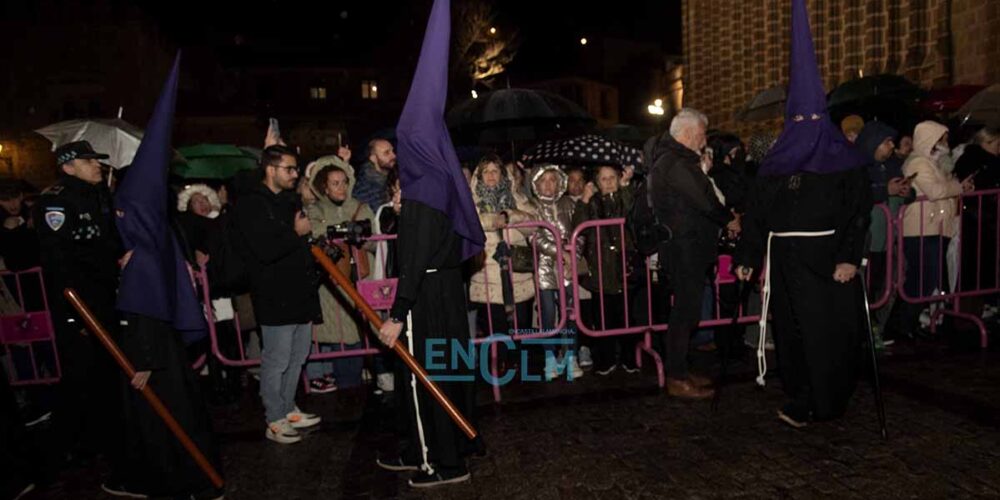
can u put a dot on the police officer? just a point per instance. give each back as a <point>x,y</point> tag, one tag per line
<point>80,250</point>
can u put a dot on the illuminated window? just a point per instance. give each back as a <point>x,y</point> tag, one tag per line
<point>369,89</point>
<point>318,93</point>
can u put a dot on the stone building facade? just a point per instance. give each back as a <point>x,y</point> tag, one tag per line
<point>734,49</point>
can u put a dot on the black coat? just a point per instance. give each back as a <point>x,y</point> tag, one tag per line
<point>283,275</point>
<point>79,244</point>
<point>816,320</point>
<point>683,197</point>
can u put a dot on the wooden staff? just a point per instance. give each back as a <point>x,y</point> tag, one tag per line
<point>369,313</point>
<point>154,401</point>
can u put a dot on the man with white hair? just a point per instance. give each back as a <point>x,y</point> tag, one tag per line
<point>684,201</point>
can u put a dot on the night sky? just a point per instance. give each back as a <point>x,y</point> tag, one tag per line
<point>354,32</point>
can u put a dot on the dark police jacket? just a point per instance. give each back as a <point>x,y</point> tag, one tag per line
<point>79,243</point>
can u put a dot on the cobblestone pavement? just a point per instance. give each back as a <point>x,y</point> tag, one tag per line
<point>622,437</point>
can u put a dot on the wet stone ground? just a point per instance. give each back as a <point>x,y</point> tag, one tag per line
<point>622,437</point>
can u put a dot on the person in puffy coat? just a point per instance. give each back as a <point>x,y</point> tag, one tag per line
<point>549,185</point>
<point>928,225</point>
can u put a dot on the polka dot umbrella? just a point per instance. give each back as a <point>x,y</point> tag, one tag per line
<point>584,150</point>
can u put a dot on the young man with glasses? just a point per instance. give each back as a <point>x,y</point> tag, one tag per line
<point>283,286</point>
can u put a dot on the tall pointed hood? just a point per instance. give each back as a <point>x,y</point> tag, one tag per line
<point>155,281</point>
<point>809,142</point>
<point>429,171</point>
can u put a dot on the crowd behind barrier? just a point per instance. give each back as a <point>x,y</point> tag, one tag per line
<point>28,339</point>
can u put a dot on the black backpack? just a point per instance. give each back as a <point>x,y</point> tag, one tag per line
<point>647,230</point>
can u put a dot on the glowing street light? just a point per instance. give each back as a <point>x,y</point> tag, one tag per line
<point>475,95</point>
<point>583,41</point>
<point>493,30</point>
<point>656,109</point>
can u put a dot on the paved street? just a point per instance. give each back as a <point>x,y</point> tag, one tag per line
<point>621,437</point>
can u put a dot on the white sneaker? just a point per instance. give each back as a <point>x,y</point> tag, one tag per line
<point>299,420</point>
<point>282,432</point>
<point>607,371</point>
<point>385,382</point>
<point>585,359</point>
<point>550,368</point>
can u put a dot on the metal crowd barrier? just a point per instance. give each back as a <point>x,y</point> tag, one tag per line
<point>939,266</point>
<point>27,333</point>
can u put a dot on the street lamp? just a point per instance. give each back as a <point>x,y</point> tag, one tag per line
<point>475,95</point>
<point>493,30</point>
<point>656,109</point>
<point>583,41</point>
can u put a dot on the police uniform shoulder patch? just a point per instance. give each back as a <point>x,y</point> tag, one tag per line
<point>55,218</point>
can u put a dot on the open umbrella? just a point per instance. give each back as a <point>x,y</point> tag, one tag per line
<point>212,161</point>
<point>584,150</point>
<point>515,115</point>
<point>861,91</point>
<point>629,134</point>
<point>984,107</point>
<point>949,99</point>
<point>765,105</point>
<point>114,137</point>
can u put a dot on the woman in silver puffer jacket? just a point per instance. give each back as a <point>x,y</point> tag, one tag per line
<point>548,185</point>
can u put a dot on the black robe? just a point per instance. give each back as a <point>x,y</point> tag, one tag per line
<point>436,300</point>
<point>156,462</point>
<point>816,320</point>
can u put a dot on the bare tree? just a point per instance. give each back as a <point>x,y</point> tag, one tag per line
<point>481,50</point>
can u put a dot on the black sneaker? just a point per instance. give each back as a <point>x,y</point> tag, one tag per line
<point>395,464</point>
<point>118,489</point>
<point>440,477</point>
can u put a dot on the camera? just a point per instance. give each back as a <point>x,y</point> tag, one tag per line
<point>350,231</point>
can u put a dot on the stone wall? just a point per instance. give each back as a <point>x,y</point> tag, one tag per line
<point>734,49</point>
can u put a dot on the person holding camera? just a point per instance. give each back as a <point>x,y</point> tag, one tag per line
<point>337,214</point>
<point>283,281</point>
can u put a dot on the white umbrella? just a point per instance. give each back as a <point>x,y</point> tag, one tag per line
<point>114,137</point>
<point>984,107</point>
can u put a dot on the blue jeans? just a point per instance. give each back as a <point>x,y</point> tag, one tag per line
<point>550,318</point>
<point>285,350</point>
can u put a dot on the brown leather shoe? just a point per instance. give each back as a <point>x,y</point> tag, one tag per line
<point>700,381</point>
<point>687,390</point>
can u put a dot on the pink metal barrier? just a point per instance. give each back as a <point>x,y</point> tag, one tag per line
<point>934,263</point>
<point>524,328</point>
<point>28,336</point>
<point>883,283</point>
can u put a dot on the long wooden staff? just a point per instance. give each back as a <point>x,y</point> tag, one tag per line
<point>154,401</point>
<point>369,313</point>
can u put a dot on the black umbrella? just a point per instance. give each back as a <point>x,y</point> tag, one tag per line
<point>861,91</point>
<point>628,134</point>
<point>515,115</point>
<point>584,150</point>
<point>767,104</point>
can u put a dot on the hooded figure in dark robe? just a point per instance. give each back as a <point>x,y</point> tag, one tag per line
<point>158,298</point>
<point>805,228</point>
<point>438,230</point>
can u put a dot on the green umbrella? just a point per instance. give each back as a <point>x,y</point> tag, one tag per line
<point>212,161</point>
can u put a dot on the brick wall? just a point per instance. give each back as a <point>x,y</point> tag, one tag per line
<point>734,49</point>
